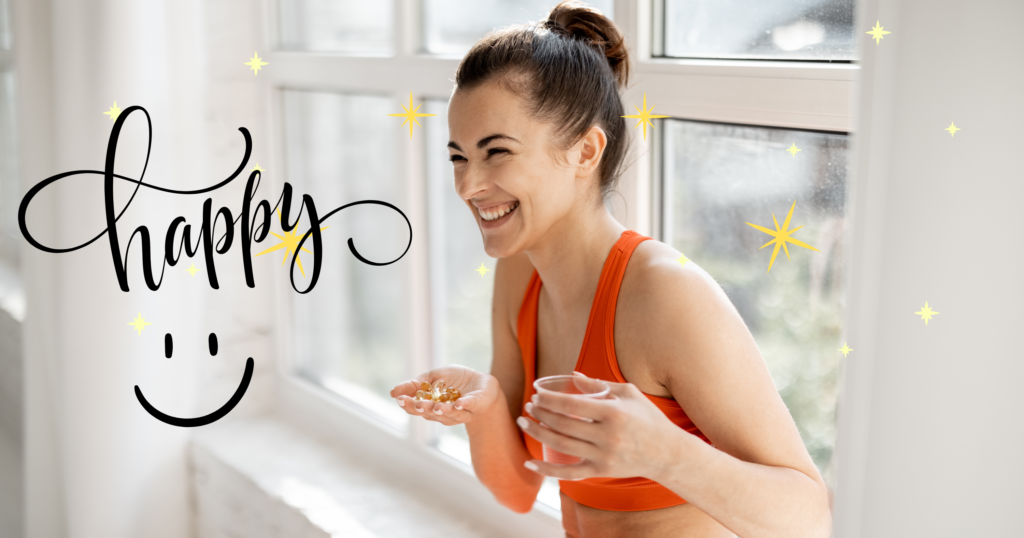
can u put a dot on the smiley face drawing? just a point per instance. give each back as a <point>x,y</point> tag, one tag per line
<point>206,419</point>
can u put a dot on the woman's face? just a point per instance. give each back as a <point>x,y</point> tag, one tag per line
<point>506,172</point>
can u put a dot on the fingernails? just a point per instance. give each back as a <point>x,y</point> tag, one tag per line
<point>401,403</point>
<point>531,466</point>
<point>438,411</point>
<point>579,374</point>
<point>529,407</point>
<point>533,398</point>
<point>523,423</point>
<point>418,410</point>
<point>459,407</point>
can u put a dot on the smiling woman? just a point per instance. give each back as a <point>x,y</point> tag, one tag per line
<point>537,141</point>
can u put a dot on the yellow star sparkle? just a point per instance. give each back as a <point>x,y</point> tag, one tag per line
<point>877,33</point>
<point>289,241</point>
<point>257,168</point>
<point>139,323</point>
<point>952,129</point>
<point>781,236</point>
<point>682,259</point>
<point>255,63</point>
<point>192,269</point>
<point>482,269</point>
<point>114,112</point>
<point>412,115</point>
<point>926,313</point>
<point>845,349</point>
<point>645,116</point>
<point>793,149</point>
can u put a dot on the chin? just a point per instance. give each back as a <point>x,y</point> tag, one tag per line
<point>499,247</point>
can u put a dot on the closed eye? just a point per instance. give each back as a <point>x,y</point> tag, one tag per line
<point>490,152</point>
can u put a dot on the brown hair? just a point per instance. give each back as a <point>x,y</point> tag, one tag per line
<point>568,69</point>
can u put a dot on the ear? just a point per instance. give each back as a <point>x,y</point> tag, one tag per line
<point>591,148</point>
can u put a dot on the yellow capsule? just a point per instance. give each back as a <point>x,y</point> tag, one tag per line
<point>456,394</point>
<point>425,386</point>
<point>422,395</point>
<point>439,385</point>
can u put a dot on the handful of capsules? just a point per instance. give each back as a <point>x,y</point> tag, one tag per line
<point>437,393</point>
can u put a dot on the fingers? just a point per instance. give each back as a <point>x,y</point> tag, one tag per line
<point>445,413</point>
<point>407,388</point>
<point>563,424</point>
<point>576,471</point>
<point>554,440</point>
<point>571,404</point>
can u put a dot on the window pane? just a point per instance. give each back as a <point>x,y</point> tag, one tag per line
<point>351,331</point>
<point>5,25</point>
<point>353,26</point>
<point>719,177</point>
<point>453,26</point>
<point>10,193</point>
<point>760,29</point>
<point>460,296</point>
<point>12,292</point>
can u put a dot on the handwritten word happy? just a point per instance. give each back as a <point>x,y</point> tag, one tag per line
<point>249,233</point>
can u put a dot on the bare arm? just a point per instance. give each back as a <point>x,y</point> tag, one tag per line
<point>495,441</point>
<point>489,405</point>
<point>759,480</point>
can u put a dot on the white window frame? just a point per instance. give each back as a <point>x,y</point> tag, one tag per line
<point>802,95</point>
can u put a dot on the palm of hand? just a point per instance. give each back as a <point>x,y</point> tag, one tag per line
<point>479,390</point>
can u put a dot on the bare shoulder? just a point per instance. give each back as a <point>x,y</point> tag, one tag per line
<point>511,277</point>
<point>668,306</point>
<point>698,347</point>
<point>662,289</point>
<point>657,271</point>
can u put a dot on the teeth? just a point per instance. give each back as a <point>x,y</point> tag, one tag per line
<point>494,215</point>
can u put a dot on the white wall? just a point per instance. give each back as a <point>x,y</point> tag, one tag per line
<point>97,464</point>
<point>930,426</point>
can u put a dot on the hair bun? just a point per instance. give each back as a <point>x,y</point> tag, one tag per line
<point>574,19</point>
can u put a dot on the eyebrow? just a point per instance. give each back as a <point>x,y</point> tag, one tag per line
<point>484,141</point>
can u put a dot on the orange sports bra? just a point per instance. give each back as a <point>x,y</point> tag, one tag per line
<point>597,359</point>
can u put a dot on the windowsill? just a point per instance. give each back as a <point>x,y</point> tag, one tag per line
<point>296,482</point>
<point>332,468</point>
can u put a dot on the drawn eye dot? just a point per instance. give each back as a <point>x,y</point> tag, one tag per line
<point>213,344</point>
<point>168,345</point>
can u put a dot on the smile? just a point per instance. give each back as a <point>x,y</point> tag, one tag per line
<point>206,419</point>
<point>498,213</point>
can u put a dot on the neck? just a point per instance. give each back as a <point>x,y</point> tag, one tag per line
<point>570,256</point>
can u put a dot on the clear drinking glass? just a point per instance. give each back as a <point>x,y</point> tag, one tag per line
<point>583,387</point>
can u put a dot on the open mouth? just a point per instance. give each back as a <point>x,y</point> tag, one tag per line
<point>500,213</point>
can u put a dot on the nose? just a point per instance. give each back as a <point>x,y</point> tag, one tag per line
<point>471,182</point>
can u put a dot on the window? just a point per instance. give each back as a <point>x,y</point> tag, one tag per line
<point>760,29</point>
<point>460,297</point>
<point>453,26</point>
<point>718,177</point>
<point>12,294</point>
<point>352,26</point>
<point>350,333</point>
<point>723,71</point>
<point>5,26</point>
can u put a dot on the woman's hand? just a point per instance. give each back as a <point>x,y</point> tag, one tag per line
<point>626,438</point>
<point>479,392</point>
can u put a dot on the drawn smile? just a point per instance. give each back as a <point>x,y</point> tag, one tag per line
<point>205,419</point>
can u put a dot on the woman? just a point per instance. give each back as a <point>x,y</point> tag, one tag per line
<point>537,141</point>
